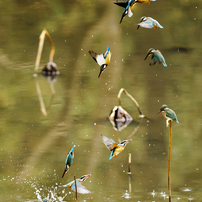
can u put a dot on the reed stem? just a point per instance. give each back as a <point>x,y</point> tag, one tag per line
<point>75,188</point>
<point>169,158</point>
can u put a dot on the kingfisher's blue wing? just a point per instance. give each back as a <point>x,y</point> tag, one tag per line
<point>107,51</point>
<point>154,60</point>
<point>171,114</point>
<point>161,58</point>
<point>68,161</point>
<point>112,153</point>
<point>153,21</point>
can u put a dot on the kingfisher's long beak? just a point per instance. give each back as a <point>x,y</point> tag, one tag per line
<point>147,56</point>
<point>129,140</point>
<point>123,16</point>
<point>159,112</point>
<point>138,26</point>
<point>89,175</point>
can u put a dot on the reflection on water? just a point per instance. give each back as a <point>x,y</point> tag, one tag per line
<point>77,105</point>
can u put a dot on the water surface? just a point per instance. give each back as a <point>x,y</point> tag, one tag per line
<point>34,146</point>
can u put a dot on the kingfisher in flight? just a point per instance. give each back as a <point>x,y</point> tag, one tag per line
<point>102,59</point>
<point>128,5</point>
<point>69,161</point>
<point>113,146</point>
<point>168,114</point>
<point>80,188</point>
<point>148,22</point>
<point>156,57</point>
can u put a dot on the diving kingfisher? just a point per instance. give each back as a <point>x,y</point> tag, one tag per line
<point>128,5</point>
<point>144,1</point>
<point>113,146</point>
<point>80,188</point>
<point>102,59</point>
<point>69,161</point>
<point>156,57</point>
<point>148,22</point>
<point>168,114</point>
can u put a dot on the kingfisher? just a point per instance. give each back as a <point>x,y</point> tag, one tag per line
<point>144,1</point>
<point>113,146</point>
<point>80,188</point>
<point>156,57</point>
<point>148,22</point>
<point>69,161</point>
<point>168,114</point>
<point>102,59</point>
<point>128,5</point>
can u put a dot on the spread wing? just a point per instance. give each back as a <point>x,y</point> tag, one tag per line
<point>146,24</point>
<point>99,58</point>
<point>109,143</point>
<point>81,189</point>
<point>149,19</point>
<point>122,4</point>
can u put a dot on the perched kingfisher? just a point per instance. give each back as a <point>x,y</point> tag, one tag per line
<point>69,161</point>
<point>113,146</point>
<point>144,1</point>
<point>102,59</point>
<point>148,22</point>
<point>156,57</point>
<point>80,188</point>
<point>168,114</point>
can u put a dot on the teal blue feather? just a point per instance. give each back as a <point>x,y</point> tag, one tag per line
<point>68,161</point>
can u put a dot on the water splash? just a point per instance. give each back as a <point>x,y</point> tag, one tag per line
<point>44,192</point>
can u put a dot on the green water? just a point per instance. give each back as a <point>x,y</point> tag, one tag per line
<point>34,146</point>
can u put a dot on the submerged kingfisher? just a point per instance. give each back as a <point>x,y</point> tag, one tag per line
<point>128,5</point>
<point>113,146</point>
<point>102,59</point>
<point>80,188</point>
<point>156,57</point>
<point>144,1</point>
<point>168,114</point>
<point>148,22</point>
<point>69,161</point>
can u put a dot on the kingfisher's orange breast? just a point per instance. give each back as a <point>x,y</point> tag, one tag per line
<point>108,58</point>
